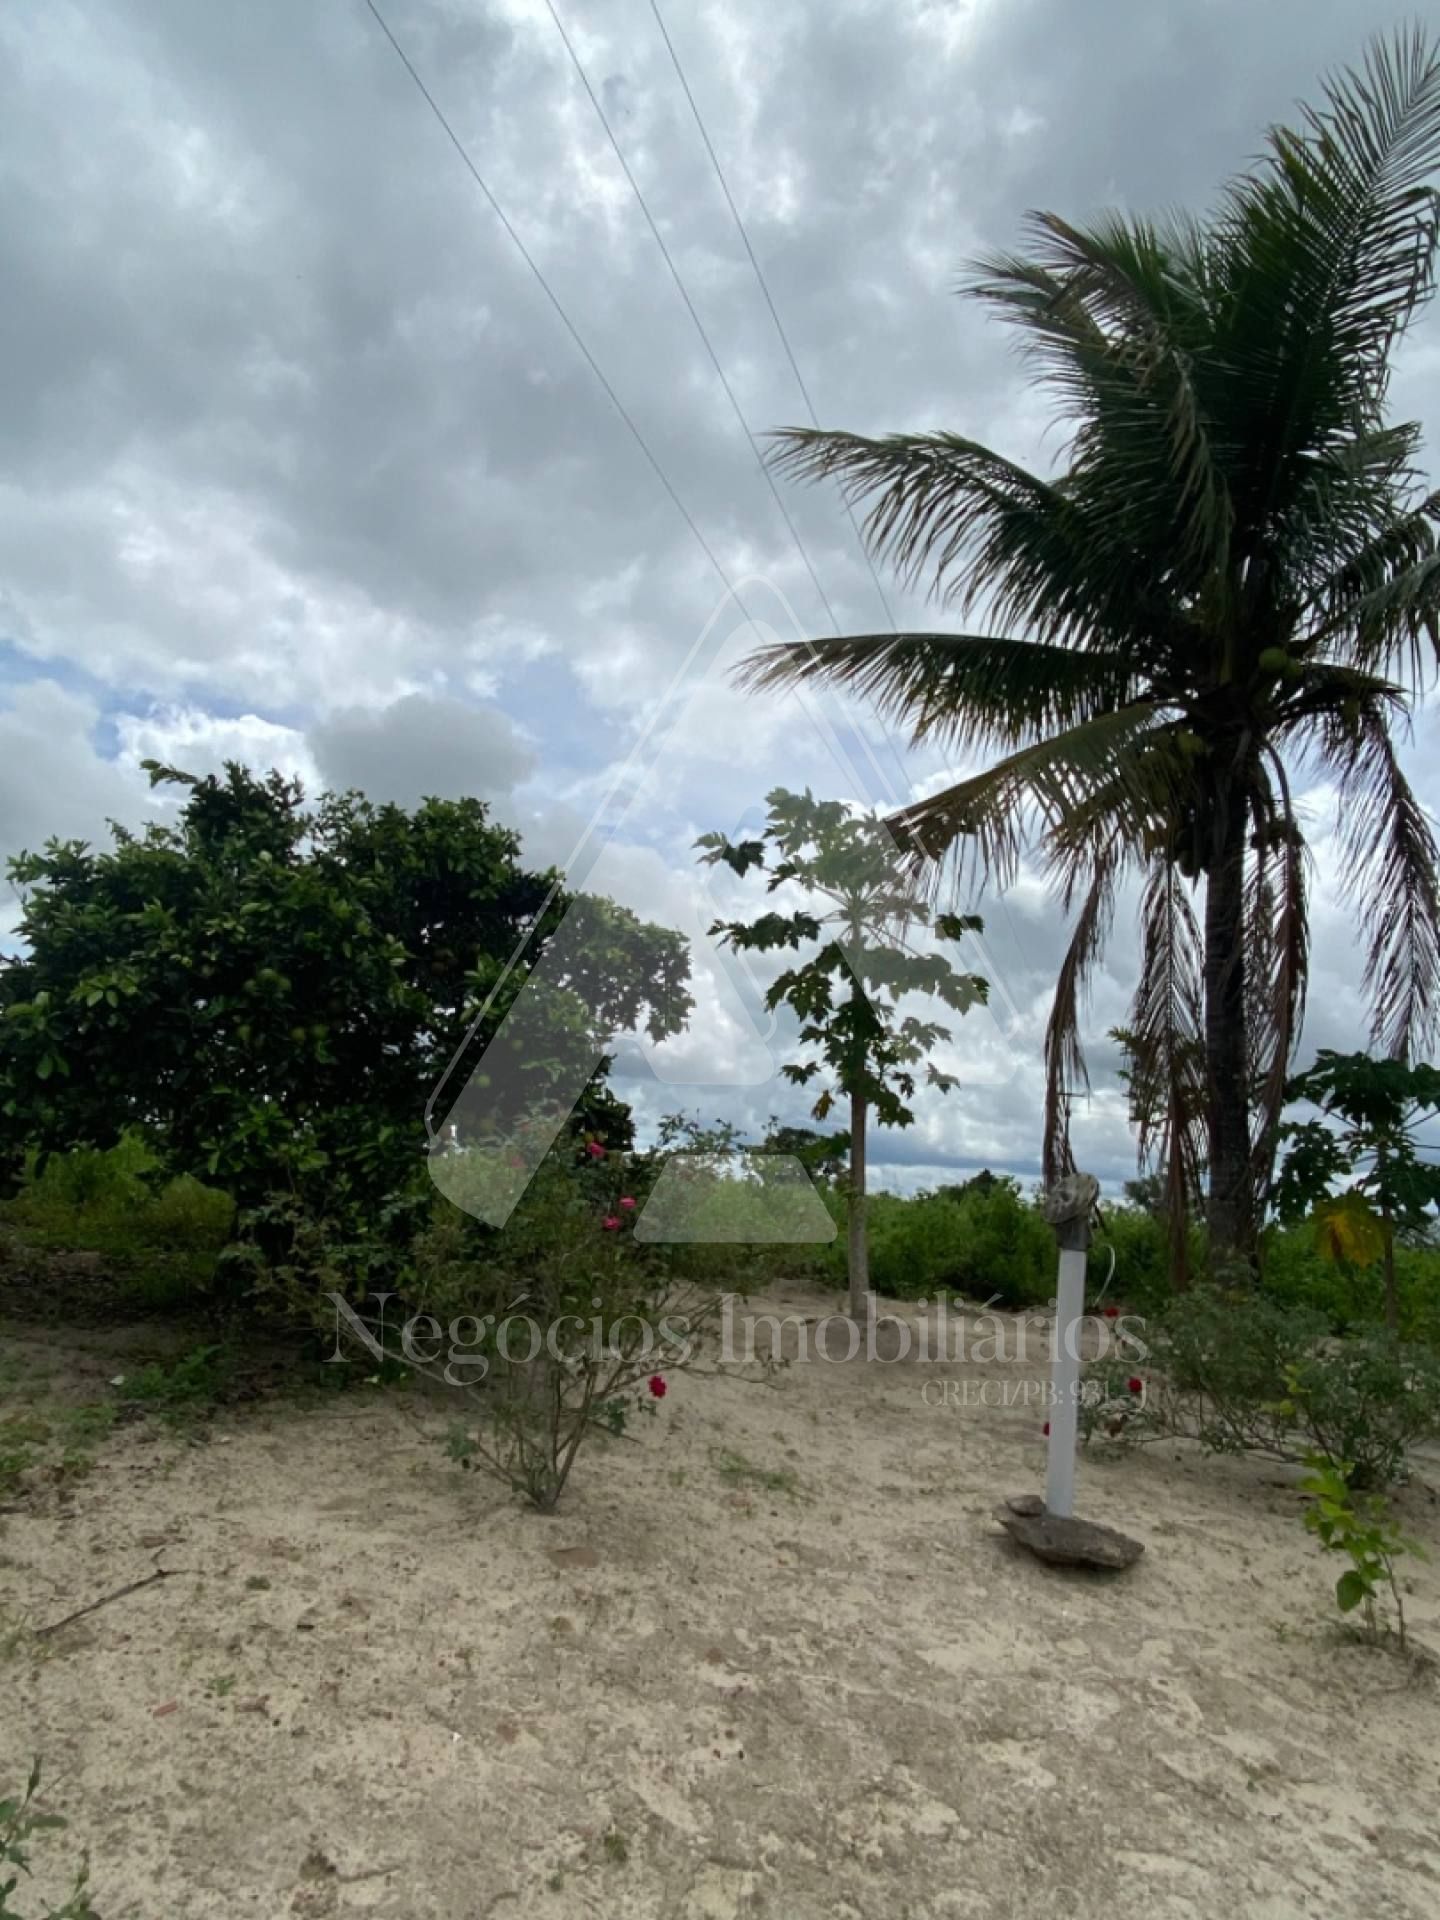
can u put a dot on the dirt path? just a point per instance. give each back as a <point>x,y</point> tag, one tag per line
<point>771,1659</point>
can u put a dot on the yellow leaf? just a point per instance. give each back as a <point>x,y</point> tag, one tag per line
<point>1348,1233</point>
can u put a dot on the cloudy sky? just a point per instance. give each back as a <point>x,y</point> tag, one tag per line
<point>300,465</point>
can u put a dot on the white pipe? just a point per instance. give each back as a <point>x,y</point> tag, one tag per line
<point>1065,1378</point>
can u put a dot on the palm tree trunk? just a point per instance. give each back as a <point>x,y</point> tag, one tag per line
<point>1231,1211</point>
<point>859,1247</point>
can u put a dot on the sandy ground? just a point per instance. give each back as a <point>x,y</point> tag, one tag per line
<point>375,1685</point>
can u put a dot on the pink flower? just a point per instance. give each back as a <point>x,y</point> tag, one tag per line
<point>611,1223</point>
<point>594,1149</point>
<point>657,1386</point>
<point>627,1203</point>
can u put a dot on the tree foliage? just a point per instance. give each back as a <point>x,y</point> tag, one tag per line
<point>1369,1137</point>
<point>859,907</point>
<point>1237,568</point>
<point>267,990</point>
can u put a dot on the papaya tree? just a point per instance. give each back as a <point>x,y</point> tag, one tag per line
<point>1359,1171</point>
<point>855,911</point>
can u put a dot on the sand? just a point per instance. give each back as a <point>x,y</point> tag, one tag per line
<point>771,1657</point>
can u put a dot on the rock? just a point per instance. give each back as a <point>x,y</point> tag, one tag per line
<point>1066,1542</point>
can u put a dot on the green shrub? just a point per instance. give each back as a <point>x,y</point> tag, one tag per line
<point>558,1325</point>
<point>1240,1373</point>
<point>986,1242</point>
<point>1140,1242</point>
<point>165,1235</point>
<point>1349,1296</point>
<point>1367,1401</point>
<point>197,1379</point>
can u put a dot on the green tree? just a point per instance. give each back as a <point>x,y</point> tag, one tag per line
<point>1236,564</point>
<point>268,990</point>
<point>1380,1107</point>
<point>824,1156</point>
<point>848,994</point>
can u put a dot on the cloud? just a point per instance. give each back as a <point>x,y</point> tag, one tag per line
<point>420,747</point>
<point>301,467</point>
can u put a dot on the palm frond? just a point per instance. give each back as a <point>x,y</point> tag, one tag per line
<point>1051,778</point>
<point>1165,1044</point>
<point>1307,702</point>
<point>1401,540</point>
<point>1065,1069</point>
<point>1111,314</point>
<point>1277,954</point>
<point>961,690</point>
<point>1386,627</point>
<point>984,528</point>
<point>1388,860</point>
<point>1326,249</point>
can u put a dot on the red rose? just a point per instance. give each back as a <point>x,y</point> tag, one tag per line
<point>595,1150</point>
<point>1112,1313</point>
<point>657,1385</point>
<point>1135,1383</point>
<point>1046,1428</point>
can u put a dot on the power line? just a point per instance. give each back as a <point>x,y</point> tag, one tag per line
<point>800,382</point>
<point>555,301</point>
<point>779,324</point>
<point>606,385</point>
<point>764,285</point>
<point>691,309</point>
<point>570,327</point>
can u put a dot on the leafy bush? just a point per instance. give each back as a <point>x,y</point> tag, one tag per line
<point>197,1379</point>
<point>1351,1296</point>
<point>271,988</point>
<point>164,1234</point>
<point>1367,1401</point>
<point>1240,1373</point>
<point>1139,1240</point>
<point>987,1242</point>
<point>557,1326</point>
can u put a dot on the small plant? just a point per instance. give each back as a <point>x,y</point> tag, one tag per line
<point>1114,1400</point>
<point>19,1819</point>
<point>1381,1107</point>
<point>617,1847</point>
<point>737,1471</point>
<point>19,1438</point>
<point>566,1324</point>
<point>220,1686</point>
<point>197,1379</point>
<point>1361,1527</point>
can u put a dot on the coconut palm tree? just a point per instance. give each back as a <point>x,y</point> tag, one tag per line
<point>1236,573</point>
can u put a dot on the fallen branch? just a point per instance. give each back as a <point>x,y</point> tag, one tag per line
<point>134,1586</point>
